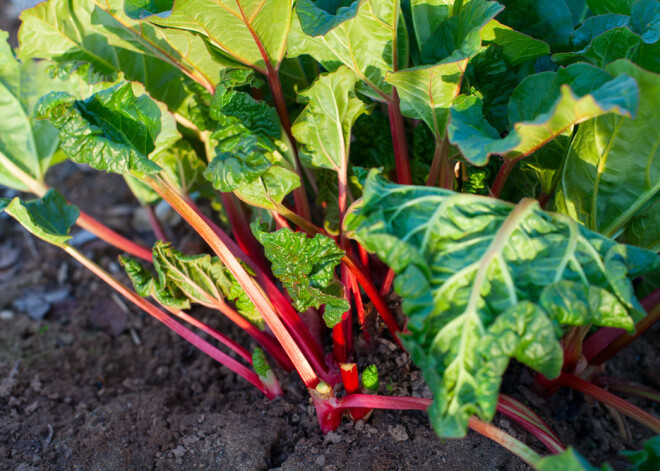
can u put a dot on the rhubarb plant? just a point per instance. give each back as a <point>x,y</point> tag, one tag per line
<point>306,123</point>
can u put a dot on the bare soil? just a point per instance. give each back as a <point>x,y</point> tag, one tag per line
<point>99,385</point>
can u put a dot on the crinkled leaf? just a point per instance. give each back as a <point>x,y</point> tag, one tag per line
<point>360,36</point>
<point>184,279</point>
<point>542,107</point>
<point>548,20</point>
<point>568,460</point>
<point>473,271</point>
<point>113,130</point>
<point>647,459</point>
<point>238,28</point>
<point>323,128</point>
<point>459,37</point>
<point>49,218</point>
<point>611,179</point>
<point>260,362</point>
<point>306,268</point>
<point>617,43</point>
<point>146,284</point>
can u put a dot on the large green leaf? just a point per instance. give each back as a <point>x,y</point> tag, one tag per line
<point>323,128</point>
<point>542,107</point>
<point>75,31</point>
<point>599,7</point>
<point>483,280</point>
<point>188,52</point>
<point>611,179</point>
<point>27,144</point>
<point>360,36</point>
<point>49,218</point>
<point>113,130</point>
<point>459,37</point>
<point>516,46</point>
<point>306,268</point>
<point>183,279</point>
<point>244,30</point>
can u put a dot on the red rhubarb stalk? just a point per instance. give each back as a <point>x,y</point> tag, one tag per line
<point>398,130</point>
<point>253,291</point>
<point>607,398</point>
<point>154,222</point>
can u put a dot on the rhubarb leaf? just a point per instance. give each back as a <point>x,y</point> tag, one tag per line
<point>251,158</point>
<point>516,47</point>
<point>459,37</point>
<point>188,52</point>
<point>68,31</point>
<point>306,268</point>
<point>600,7</point>
<point>542,107</point>
<point>49,218</point>
<point>427,93</point>
<point>146,284</point>
<point>647,459</point>
<point>252,32</point>
<point>360,36</point>
<point>483,280</point>
<point>548,20</point>
<point>567,460</point>
<point>113,130</point>
<point>200,279</point>
<point>25,143</point>
<point>323,128</point>
<point>611,178</point>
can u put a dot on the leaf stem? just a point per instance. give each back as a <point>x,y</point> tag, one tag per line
<point>502,176</point>
<point>154,222</point>
<point>290,317</point>
<point>500,437</point>
<point>441,166</point>
<point>153,311</point>
<point>398,130</point>
<point>621,385</point>
<point>607,398</point>
<point>253,291</point>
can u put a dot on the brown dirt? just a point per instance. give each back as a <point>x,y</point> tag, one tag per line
<point>96,385</point>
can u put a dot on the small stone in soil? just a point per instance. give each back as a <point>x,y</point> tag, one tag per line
<point>6,314</point>
<point>108,317</point>
<point>398,433</point>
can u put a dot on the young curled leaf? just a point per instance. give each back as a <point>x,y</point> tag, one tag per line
<point>306,267</point>
<point>184,279</point>
<point>483,281</point>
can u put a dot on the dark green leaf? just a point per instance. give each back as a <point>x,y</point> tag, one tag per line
<point>611,179</point>
<point>49,218</point>
<point>113,130</point>
<point>516,47</point>
<point>647,459</point>
<point>306,268</point>
<point>600,7</point>
<point>483,281</point>
<point>459,37</point>
<point>548,20</point>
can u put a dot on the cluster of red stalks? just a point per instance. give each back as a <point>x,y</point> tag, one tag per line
<point>294,341</point>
